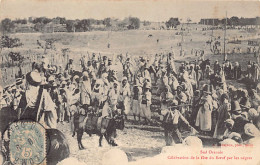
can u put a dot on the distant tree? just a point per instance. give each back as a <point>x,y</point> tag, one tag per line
<point>24,21</point>
<point>30,20</point>
<point>223,21</point>
<point>250,21</point>
<point>242,21</point>
<point>83,25</point>
<point>122,24</point>
<point>7,25</point>
<point>234,21</point>
<point>60,20</point>
<point>36,20</point>
<point>38,26</point>
<point>20,21</point>
<point>172,23</point>
<point>16,56</point>
<point>99,22</point>
<point>92,21</point>
<point>7,42</point>
<point>46,20</point>
<point>63,21</point>
<point>146,23</point>
<point>70,25</point>
<point>107,22</point>
<point>257,21</point>
<point>134,23</point>
<point>42,20</point>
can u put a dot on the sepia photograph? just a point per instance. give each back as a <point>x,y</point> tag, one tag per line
<point>129,82</point>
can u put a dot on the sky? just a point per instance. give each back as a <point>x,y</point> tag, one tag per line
<point>151,10</point>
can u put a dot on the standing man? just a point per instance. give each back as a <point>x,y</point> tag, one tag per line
<point>73,100</point>
<point>181,97</point>
<point>217,67</point>
<point>69,67</point>
<point>171,123</point>
<point>125,94</point>
<point>146,103</point>
<point>36,103</point>
<point>137,99</point>
<point>237,71</point>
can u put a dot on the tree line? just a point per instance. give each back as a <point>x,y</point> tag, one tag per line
<point>38,24</point>
<point>232,21</point>
<point>77,25</point>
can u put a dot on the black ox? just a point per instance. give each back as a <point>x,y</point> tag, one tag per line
<point>92,124</point>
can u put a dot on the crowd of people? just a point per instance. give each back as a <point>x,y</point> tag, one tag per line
<point>49,94</point>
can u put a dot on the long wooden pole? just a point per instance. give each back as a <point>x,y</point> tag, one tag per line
<point>225,55</point>
<point>212,30</point>
<point>182,40</point>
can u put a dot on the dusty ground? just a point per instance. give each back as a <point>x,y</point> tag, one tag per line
<point>138,141</point>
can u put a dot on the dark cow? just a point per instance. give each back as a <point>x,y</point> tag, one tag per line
<point>92,124</point>
<point>150,35</point>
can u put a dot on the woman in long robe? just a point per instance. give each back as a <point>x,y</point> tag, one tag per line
<point>203,120</point>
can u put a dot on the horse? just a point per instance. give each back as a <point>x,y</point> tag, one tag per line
<point>101,126</point>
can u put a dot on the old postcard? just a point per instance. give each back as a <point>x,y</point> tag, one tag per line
<point>129,82</point>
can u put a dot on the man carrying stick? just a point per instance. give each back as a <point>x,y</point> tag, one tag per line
<point>171,123</point>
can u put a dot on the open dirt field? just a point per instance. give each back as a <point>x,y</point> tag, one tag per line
<point>112,43</point>
<point>137,141</point>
